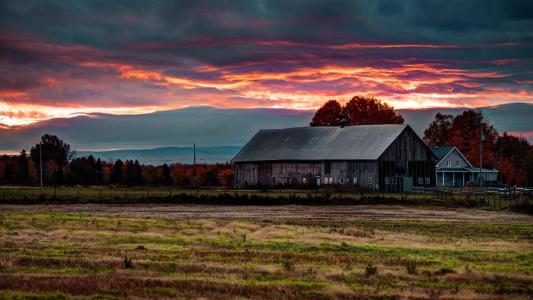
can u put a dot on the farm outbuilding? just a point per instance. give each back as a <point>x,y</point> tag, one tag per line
<point>387,157</point>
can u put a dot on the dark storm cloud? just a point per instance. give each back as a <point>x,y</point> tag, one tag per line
<point>167,54</point>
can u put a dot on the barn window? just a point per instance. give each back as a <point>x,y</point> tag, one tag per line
<point>387,180</point>
<point>420,180</point>
<point>355,180</point>
<point>327,167</point>
<point>428,180</point>
<point>370,180</point>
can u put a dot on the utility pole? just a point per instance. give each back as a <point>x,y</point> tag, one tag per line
<point>481,139</point>
<point>480,157</point>
<point>194,167</point>
<point>41,162</point>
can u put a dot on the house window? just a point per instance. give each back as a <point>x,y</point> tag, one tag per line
<point>355,180</point>
<point>370,180</point>
<point>428,180</point>
<point>387,180</point>
<point>449,163</point>
<point>327,167</point>
<point>420,180</point>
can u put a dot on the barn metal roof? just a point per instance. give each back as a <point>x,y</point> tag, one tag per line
<point>362,142</point>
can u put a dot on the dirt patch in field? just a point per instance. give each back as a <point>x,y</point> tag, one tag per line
<point>284,212</point>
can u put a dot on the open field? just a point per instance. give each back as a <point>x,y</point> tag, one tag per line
<point>168,251</point>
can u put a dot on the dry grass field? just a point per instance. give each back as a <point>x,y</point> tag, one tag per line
<point>188,251</point>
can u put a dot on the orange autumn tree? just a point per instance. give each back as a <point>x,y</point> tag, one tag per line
<point>358,111</point>
<point>328,115</point>
<point>465,135</point>
<point>362,110</point>
<point>514,158</point>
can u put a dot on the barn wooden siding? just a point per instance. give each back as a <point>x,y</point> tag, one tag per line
<point>406,157</point>
<point>355,173</point>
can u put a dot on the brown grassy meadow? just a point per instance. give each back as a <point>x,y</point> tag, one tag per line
<point>191,251</point>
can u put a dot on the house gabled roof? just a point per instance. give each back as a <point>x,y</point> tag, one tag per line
<point>361,142</point>
<point>443,151</point>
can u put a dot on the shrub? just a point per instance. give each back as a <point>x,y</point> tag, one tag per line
<point>468,270</point>
<point>444,271</point>
<point>348,267</point>
<point>128,263</point>
<point>287,264</point>
<point>370,270</point>
<point>410,266</point>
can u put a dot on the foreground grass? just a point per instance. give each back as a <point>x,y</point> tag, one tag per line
<point>80,255</point>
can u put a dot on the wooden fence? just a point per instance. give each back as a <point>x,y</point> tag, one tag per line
<point>489,196</point>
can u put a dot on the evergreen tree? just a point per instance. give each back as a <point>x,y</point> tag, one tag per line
<point>116,173</point>
<point>23,172</point>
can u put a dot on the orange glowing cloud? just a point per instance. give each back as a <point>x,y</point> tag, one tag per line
<point>77,80</point>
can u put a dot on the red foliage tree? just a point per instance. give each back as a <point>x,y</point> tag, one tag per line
<point>328,114</point>
<point>363,110</point>
<point>358,111</point>
<point>466,132</point>
<point>513,157</point>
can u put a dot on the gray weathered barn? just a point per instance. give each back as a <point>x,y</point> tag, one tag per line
<point>378,157</point>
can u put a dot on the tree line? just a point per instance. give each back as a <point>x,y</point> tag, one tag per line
<point>60,167</point>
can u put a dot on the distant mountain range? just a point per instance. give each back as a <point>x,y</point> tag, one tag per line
<point>218,133</point>
<point>168,155</point>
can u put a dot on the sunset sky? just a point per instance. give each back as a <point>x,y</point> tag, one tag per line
<point>66,58</point>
